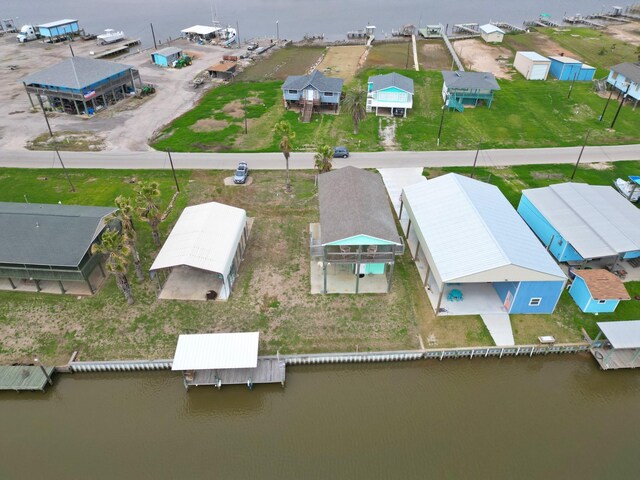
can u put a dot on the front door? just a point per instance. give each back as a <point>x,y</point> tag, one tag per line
<point>508,300</point>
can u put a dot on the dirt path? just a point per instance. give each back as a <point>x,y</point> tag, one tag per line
<point>477,55</point>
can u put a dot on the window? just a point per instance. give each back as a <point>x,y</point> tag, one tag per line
<point>535,301</point>
<point>614,75</point>
<point>602,302</point>
<point>328,94</point>
<point>293,92</point>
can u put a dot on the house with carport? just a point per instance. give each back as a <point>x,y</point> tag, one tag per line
<point>354,247</point>
<point>475,254</point>
<point>201,257</point>
<point>389,94</point>
<point>587,225</point>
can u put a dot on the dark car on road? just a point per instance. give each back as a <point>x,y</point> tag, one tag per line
<point>340,152</point>
<point>242,173</point>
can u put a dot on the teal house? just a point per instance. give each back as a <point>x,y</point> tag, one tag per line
<point>166,56</point>
<point>357,241</point>
<point>58,30</point>
<point>462,89</point>
<point>597,291</point>
<point>390,94</point>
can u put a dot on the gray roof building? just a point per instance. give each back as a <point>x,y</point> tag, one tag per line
<point>76,73</point>
<point>316,80</point>
<point>630,70</point>
<point>460,80</point>
<point>39,235</point>
<point>354,202</point>
<point>380,82</point>
<point>168,51</point>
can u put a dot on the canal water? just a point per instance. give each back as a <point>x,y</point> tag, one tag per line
<point>257,18</point>
<point>546,417</point>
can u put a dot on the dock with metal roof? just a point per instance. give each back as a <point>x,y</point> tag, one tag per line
<point>617,345</point>
<point>24,377</point>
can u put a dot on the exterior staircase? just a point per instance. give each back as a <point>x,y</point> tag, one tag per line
<point>307,111</point>
<point>457,105</point>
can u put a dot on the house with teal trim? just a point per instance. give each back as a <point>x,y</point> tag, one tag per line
<point>353,248</point>
<point>579,223</point>
<point>474,253</point>
<point>597,290</point>
<point>625,77</point>
<point>390,94</point>
<point>462,89</point>
<point>312,93</point>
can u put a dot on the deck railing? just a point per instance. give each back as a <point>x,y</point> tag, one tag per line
<point>356,253</point>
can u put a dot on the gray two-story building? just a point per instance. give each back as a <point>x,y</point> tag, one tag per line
<point>312,93</point>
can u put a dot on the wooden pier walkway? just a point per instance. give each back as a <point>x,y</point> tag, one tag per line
<point>119,50</point>
<point>24,377</point>
<point>609,359</point>
<point>507,26</point>
<point>269,370</point>
<point>452,51</point>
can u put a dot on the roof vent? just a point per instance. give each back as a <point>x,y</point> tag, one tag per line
<point>457,73</point>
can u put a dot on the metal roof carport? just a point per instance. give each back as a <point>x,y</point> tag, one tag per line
<point>208,238</point>
<point>621,349</point>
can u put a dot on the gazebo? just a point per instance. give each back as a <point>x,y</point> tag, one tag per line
<point>620,347</point>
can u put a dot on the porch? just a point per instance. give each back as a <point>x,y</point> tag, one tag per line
<point>474,299</point>
<point>627,270</point>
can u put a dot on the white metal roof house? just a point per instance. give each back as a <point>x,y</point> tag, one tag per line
<point>390,94</point>
<point>532,65</point>
<point>579,222</point>
<point>203,252</point>
<point>480,256</point>
<point>491,33</point>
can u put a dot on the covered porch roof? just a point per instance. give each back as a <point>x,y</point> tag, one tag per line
<point>216,351</point>
<point>622,334</point>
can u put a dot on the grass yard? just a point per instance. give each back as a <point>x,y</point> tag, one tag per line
<point>282,63</point>
<point>392,55</point>
<point>342,61</point>
<point>433,55</point>
<point>271,294</point>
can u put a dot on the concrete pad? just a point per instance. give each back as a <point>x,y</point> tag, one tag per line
<point>341,279</point>
<point>499,325</point>
<point>186,283</point>
<point>52,286</point>
<point>477,299</point>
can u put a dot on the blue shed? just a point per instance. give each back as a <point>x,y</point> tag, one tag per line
<point>597,291</point>
<point>579,222</point>
<point>166,56</point>
<point>54,31</point>
<point>587,72</point>
<point>566,68</point>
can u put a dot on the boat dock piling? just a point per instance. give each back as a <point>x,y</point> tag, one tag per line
<point>583,20</point>
<point>119,50</point>
<point>25,377</point>
<point>509,27</point>
<point>472,28</point>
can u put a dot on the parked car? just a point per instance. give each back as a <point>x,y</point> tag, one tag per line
<point>340,152</point>
<point>242,173</point>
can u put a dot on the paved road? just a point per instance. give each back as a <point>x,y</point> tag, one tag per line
<point>275,161</point>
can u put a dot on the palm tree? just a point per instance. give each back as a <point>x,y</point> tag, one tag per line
<point>284,130</point>
<point>114,244</point>
<point>323,156</point>
<point>125,216</point>
<point>355,102</point>
<point>148,194</point>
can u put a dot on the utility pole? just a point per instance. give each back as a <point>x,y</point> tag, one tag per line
<point>441,121</point>
<point>71,48</point>
<point>571,87</point>
<point>606,105</point>
<point>64,169</point>
<point>277,31</point>
<point>475,160</point>
<point>620,106</point>
<point>244,111</point>
<point>44,112</point>
<point>155,45</point>
<point>173,170</point>
<point>584,144</point>
<point>238,34</point>
<point>406,67</point>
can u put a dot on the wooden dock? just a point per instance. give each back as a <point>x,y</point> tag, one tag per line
<point>122,47</point>
<point>452,51</point>
<point>610,359</point>
<point>23,377</point>
<point>269,370</point>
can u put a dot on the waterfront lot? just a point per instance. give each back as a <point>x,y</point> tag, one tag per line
<point>281,63</point>
<point>272,291</point>
<point>524,114</point>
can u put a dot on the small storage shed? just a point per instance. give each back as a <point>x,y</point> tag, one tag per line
<point>225,69</point>
<point>532,65</point>
<point>58,30</point>
<point>597,290</point>
<point>566,68</point>
<point>202,253</point>
<point>166,56</point>
<point>491,33</point>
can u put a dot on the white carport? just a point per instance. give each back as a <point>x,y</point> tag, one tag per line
<point>471,247</point>
<point>203,253</point>
<point>395,179</point>
<point>204,31</point>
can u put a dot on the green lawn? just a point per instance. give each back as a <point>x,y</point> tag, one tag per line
<point>281,63</point>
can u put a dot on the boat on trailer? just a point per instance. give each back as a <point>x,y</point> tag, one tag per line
<point>110,36</point>
<point>630,189</point>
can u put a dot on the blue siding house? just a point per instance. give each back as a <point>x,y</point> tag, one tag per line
<point>478,256</point>
<point>390,94</point>
<point>166,56</point>
<point>565,68</point>
<point>597,291</point>
<point>577,222</point>
<point>312,93</point>
<point>626,76</point>
<point>58,30</point>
